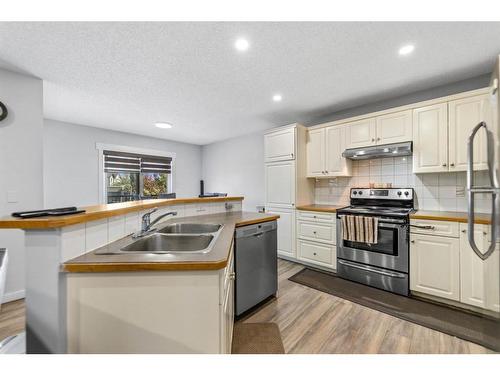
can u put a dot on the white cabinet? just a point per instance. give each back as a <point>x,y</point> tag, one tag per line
<point>317,253</point>
<point>286,231</point>
<point>435,266</point>
<point>324,152</point>
<point>465,114</point>
<point>479,279</point>
<point>280,184</point>
<point>315,154</point>
<point>430,139</point>
<point>394,127</point>
<point>361,133</point>
<point>279,145</point>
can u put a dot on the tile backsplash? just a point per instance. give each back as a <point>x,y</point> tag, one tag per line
<point>434,191</point>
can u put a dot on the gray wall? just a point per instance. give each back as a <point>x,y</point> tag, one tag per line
<point>20,165</point>
<point>236,166</point>
<point>71,175</point>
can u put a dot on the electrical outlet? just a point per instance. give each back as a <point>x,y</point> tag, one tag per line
<point>460,191</point>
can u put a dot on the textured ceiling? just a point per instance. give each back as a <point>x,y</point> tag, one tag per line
<point>126,76</point>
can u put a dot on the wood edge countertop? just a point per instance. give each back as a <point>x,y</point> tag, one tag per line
<point>102,211</point>
<point>216,259</point>
<point>458,217</point>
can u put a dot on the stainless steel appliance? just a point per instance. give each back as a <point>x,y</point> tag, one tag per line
<point>384,264</point>
<point>255,264</point>
<point>379,151</point>
<point>492,130</point>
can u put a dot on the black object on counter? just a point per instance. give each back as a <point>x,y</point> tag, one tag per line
<point>208,195</point>
<point>49,212</point>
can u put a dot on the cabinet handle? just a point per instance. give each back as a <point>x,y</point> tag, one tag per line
<point>444,165</point>
<point>484,233</point>
<point>378,139</point>
<point>232,276</point>
<point>373,139</point>
<point>291,155</point>
<point>314,254</point>
<point>431,227</point>
<point>452,164</point>
<point>314,232</point>
<point>464,231</point>
<point>412,241</point>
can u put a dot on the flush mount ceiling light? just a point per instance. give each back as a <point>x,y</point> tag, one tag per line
<point>163,125</point>
<point>277,98</point>
<point>241,44</point>
<point>406,50</point>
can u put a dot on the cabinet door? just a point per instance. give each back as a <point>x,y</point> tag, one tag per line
<point>280,184</point>
<point>464,114</point>
<point>472,269</point>
<point>317,253</point>
<point>430,139</point>
<point>279,145</point>
<point>435,266</point>
<point>315,147</point>
<point>361,133</point>
<point>394,127</point>
<point>286,231</point>
<point>335,163</point>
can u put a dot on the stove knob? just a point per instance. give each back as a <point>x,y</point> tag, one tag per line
<point>355,192</point>
<point>399,193</point>
<point>360,192</point>
<point>407,193</point>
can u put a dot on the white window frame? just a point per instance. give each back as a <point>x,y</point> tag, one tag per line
<point>101,147</point>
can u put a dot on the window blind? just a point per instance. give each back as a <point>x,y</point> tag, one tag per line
<point>120,161</point>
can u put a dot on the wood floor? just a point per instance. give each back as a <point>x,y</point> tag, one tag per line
<point>315,322</point>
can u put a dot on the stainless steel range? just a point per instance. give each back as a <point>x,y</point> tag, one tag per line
<point>383,264</point>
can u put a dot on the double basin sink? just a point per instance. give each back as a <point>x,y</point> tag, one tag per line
<point>177,238</point>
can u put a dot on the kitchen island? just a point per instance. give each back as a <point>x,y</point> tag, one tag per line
<point>52,242</point>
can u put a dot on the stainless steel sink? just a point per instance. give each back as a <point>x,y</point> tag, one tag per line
<point>190,228</point>
<point>164,244</point>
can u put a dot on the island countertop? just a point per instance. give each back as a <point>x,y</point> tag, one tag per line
<point>102,211</point>
<point>217,258</point>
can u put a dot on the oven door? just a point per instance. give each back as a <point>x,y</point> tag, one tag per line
<point>390,251</point>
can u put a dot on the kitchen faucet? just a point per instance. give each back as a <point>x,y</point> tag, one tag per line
<point>146,226</point>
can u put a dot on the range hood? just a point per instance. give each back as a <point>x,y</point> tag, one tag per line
<point>379,151</point>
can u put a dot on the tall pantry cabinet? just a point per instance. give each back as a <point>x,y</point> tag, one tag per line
<point>285,179</point>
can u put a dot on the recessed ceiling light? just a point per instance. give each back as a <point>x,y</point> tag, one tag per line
<point>277,98</point>
<point>163,125</point>
<point>406,50</point>
<point>241,44</point>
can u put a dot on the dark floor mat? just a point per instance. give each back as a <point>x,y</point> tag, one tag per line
<point>482,330</point>
<point>257,338</point>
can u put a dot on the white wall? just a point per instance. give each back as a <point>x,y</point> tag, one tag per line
<point>20,165</point>
<point>236,167</point>
<point>69,145</point>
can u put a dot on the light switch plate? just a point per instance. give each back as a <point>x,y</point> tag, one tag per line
<point>11,196</point>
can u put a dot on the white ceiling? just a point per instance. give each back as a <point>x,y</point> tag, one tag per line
<point>126,76</point>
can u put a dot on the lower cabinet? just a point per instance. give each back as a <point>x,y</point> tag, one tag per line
<point>435,266</point>
<point>286,231</point>
<point>446,266</point>
<point>479,279</point>
<point>316,239</point>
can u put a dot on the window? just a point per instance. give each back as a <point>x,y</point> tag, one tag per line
<point>130,177</point>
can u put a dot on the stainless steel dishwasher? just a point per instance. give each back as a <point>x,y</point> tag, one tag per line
<point>255,264</point>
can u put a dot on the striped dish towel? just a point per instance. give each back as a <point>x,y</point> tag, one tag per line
<point>360,229</point>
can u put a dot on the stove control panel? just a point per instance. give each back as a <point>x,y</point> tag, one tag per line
<point>392,193</point>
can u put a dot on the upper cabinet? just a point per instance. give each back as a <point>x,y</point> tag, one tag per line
<point>324,152</point>
<point>361,133</point>
<point>394,128</point>
<point>279,145</point>
<point>391,128</point>
<point>430,139</point>
<point>464,115</point>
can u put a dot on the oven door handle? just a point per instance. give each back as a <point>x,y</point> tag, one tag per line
<point>384,220</point>
<point>372,269</point>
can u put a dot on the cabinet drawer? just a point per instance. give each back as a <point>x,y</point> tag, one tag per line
<point>434,227</point>
<point>318,217</point>
<point>316,232</point>
<point>316,253</point>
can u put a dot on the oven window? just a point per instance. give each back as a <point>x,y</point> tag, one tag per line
<point>387,242</point>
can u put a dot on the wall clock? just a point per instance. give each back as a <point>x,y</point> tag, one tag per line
<point>3,111</point>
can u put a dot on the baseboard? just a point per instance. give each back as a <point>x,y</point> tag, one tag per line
<point>12,296</point>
